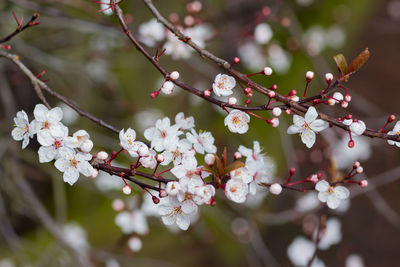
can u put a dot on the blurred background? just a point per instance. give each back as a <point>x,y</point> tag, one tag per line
<point>46,222</point>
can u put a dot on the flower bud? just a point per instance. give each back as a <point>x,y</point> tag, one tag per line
<point>102,155</point>
<point>237,155</point>
<point>209,159</point>
<point>274,122</point>
<point>174,75</point>
<point>118,204</point>
<point>338,96</point>
<point>359,169</point>
<point>135,244</point>
<point>309,76</point>
<point>160,158</point>
<point>292,171</point>
<point>87,146</point>
<point>155,199</point>
<point>154,94</point>
<point>344,104</point>
<point>292,92</point>
<point>288,111</point>
<point>207,92</point>
<point>236,60</point>
<point>391,118</point>
<point>274,87</point>
<point>232,100</point>
<point>314,178</point>
<point>271,94</point>
<point>328,77</point>
<point>267,71</point>
<point>331,102</point>
<point>162,193</point>
<point>363,183</point>
<point>248,91</point>
<point>350,144</point>
<point>356,165</point>
<point>276,111</point>
<point>275,189</point>
<point>127,190</point>
<point>347,98</point>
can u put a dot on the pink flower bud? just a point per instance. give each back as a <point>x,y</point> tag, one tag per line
<point>267,71</point>
<point>232,100</point>
<point>87,146</point>
<point>314,178</point>
<point>209,159</point>
<point>356,165</point>
<point>207,92</point>
<point>102,155</point>
<point>248,91</point>
<point>154,94</point>
<point>118,204</point>
<point>160,158</point>
<point>344,104</point>
<point>309,76</point>
<point>174,75</point>
<point>274,122</point>
<point>288,111</point>
<point>236,60</point>
<point>237,155</point>
<point>188,20</point>
<point>328,77</point>
<point>292,171</point>
<point>351,144</point>
<point>275,189</point>
<point>331,102</point>
<point>391,118</point>
<point>292,92</point>
<point>271,94</point>
<point>162,193</point>
<point>347,98</point>
<point>126,189</point>
<point>274,87</point>
<point>363,183</point>
<point>359,169</point>
<point>276,111</point>
<point>155,199</point>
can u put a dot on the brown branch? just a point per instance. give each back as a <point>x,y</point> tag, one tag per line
<point>29,24</point>
<point>242,77</point>
<point>40,85</point>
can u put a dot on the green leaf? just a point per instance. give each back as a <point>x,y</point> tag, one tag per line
<point>341,63</point>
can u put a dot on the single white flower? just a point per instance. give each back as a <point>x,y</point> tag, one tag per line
<point>202,142</point>
<point>237,121</point>
<point>132,222</point>
<point>127,138</point>
<point>300,252</point>
<point>176,212</point>
<point>163,135</point>
<point>48,153</point>
<point>263,33</point>
<point>71,164</point>
<point>23,129</point>
<point>358,127</point>
<point>332,234</point>
<point>150,160</point>
<point>236,190</point>
<point>135,244</point>
<point>151,32</point>
<point>395,131</point>
<point>176,48</point>
<point>172,188</point>
<point>307,126</point>
<point>47,123</point>
<point>203,194</point>
<point>77,139</point>
<point>331,195</point>
<point>223,85</point>
<point>75,236</point>
<point>182,150</point>
<point>242,174</point>
<point>183,122</point>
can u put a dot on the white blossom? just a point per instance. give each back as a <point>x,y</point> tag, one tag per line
<point>176,48</point>
<point>332,234</point>
<point>132,222</point>
<point>307,126</point>
<point>237,121</point>
<point>23,130</point>
<point>395,131</point>
<point>236,190</point>
<point>163,135</point>
<point>150,160</point>
<point>178,153</point>
<point>77,139</point>
<point>330,194</point>
<point>47,124</point>
<point>135,244</point>
<point>48,153</point>
<point>263,33</point>
<point>300,252</point>
<point>151,32</point>
<point>187,168</point>
<point>242,174</point>
<point>223,85</point>
<point>172,188</point>
<point>202,142</point>
<point>71,164</point>
<point>176,212</point>
<point>75,236</point>
<point>184,123</point>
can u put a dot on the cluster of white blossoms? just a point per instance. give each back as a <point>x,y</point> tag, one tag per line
<point>71,153</point>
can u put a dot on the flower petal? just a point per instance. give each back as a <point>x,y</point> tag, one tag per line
<point>319,125</point>
<point>311,115</point>
<point>40,113</point>
<point>322,186</point>
<point>323,196</point>
<point>293,129</point>
<point>341,192</point>
<point>183,222</point>
<point>308,138</point>
<point>333,202</point>
<point>298,120</point>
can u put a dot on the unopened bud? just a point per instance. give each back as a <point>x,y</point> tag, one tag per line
<point>338,96</point>
<point>174,75</point>
<point>154,94</point>
<point>292,92</point>
<point>267,71</point>
<point>94,173</point>
<point>160,158</point>
<point>363,183</point>
<point>232,100</point>
<point>275,189</point>
<point>309,76</point>
<point>344,104</point>
<point>87,146</point>
<point>276,111</point>
<point>271,94</point>
<point>391,118</point>
<point>162,193</point>
<point>209,159</point>
<point>292,171</point>
<point>127,190</point>
<point>274,122</point>
<point>168,87</point>
<point>356,165</point>
<point>314,178</point>
<point>118,204</point>
<point>237,155</point>
<point>207,92</point>
<point>102,155</point>
<point>359,169</point>
<point>288,111</point>
<point>328,77</point>
<point>155,199</point>
<point>248,91</point>
<point>331,102</point>
<point>347,98</point>
<point>236,60</point>
<point>274,87</point>
<point>350,144</point>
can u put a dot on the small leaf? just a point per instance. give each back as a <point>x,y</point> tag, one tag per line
<point>341,63</point>
<point>209,169</point>
<point>234,166</point>
<point>224,157</point>
<point>220,167</point>
<point>358,62</point>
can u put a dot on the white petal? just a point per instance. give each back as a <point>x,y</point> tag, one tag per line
<point>341,192</point>
<point>322,186</point>
<point>164,209</point>
<point>18,133</point>
<point>58,130</point>
<point>323,196</point>
<point>183,222</point>
<point>319,125</point>
<point>311,115</point>
<point>85,168</point>
<point>71,176</point>
<point>298,120</point>
<point>61,164</point>
<point>40,113</point>
<point>44,138</point>
<point>189,207</point>
<point>293,129</point>
<point>168,219</point>
<point>333,202</point>
<point>179,171</point>
<point>25,142</point>
<point>308,138</point>
<point>46,153</point>
<point>55,115</point>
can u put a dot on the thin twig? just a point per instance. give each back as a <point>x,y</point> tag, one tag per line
<point>29,24</point>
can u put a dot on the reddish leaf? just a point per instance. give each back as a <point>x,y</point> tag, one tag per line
<point>220,167</point>
<point>224,157</point>
<point>233,166</point>
<point>341,63</point>
<point>358,62</point>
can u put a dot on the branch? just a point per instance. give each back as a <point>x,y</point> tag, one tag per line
<point>29,24</point>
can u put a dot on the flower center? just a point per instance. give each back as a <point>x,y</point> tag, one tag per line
<point>306,126</point>
<point>163,134</point>
<point>57,144</point>
<point>46,125</point>
<point>330,190</point>
<point>177,210</point>
<point>73,162</point>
